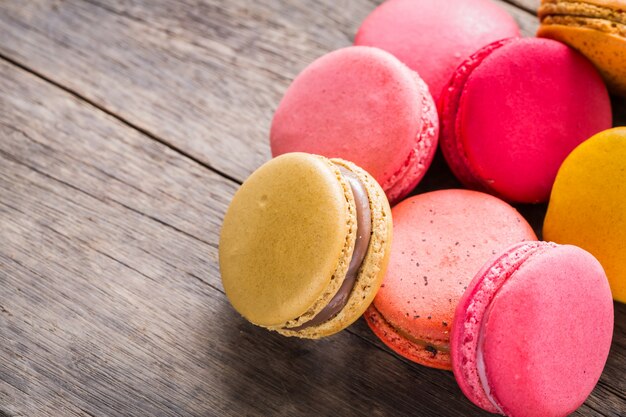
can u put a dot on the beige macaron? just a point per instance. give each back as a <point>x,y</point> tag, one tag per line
<point>305,244</point>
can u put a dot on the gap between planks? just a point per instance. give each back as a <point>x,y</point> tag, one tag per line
<point>184,154</point>
<point>117,117</point>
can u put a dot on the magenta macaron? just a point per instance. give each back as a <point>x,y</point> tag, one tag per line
<point>434,37</point>
<point>532,333</point>
<point>363,105</point>
<point>513,111</point>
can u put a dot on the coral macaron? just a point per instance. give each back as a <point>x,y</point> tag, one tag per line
<point>361,104</point>
<point>434,37</point>
<point>441,239</point>
<point>513,112</point>
<point>305,244</point>
<point>532,333</point>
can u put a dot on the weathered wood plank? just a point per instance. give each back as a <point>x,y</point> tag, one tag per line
<point>529,5</point>
<point>110,297</point>
<point>109,290</point>
<point>204,76</point>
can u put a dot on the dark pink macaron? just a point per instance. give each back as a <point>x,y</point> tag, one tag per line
<point>363,105</point>
<point>514,110</point>
<point>532,333</point>
<point>434,37</point>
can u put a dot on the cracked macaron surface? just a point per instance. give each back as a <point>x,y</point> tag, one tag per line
<point>532,333</point>
<point>439,245</point>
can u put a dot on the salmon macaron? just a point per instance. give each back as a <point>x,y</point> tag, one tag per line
<point>305,244</point>
<point>532,333</point>
<point>363,105</point>
<point>441,239</point>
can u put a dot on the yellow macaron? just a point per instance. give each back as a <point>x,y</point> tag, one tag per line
<point>596,28</point>
<point>587,204</point>
<point>305,244</point>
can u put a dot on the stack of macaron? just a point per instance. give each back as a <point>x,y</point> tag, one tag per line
<point>306,246</point>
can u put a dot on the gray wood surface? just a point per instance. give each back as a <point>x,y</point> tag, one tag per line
<point>202,76</point>
<point>124,129</point>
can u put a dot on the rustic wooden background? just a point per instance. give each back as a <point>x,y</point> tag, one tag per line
<point>125,128</point>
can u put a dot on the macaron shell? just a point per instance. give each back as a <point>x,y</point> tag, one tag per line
<point>357,103</point>
<point>470,313</point>
<point>433,37</point>
<point>449,103</point>
<point>374,265</point>
<point>548,363</point>
<point>587,204</point>
<point>287,239</point>
<point>606,51</point>
<point>501,118</point>
<point>415,166</point>
<point>439,244</point>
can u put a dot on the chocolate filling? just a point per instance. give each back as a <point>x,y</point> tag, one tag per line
<point>363,233</point>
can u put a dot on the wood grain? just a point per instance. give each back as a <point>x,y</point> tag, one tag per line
<point>202,76</point>
<point>530,6</point>
<point>110,299</point>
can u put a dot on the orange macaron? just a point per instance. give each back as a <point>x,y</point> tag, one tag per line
<point>596,28</point>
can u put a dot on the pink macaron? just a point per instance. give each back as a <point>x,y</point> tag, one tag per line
<point>434,37</point>
<point>440,240</point>
<point>514,110</point>
<point>532,333</point>
<point>363,105</point>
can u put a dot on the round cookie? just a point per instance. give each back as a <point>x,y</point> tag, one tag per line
<point>513,112</point>
<point>304,245</point>
<point>587,204</point>
<point>434,37</point>
<point>595,28</point>
<point>532,333</point>
<point>441,239</point>
<point>363,105</point>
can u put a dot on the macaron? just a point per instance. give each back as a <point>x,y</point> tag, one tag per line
<point>434,37</point>
<point>514,110</point>
<point>587,204</point>
<point>361,104</point>
<point>441,239</point>
<point>304,245</point>
<point>532,333</point>
<point>596,28</point>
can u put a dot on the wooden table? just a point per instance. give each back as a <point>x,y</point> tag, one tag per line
<point>125,128</point>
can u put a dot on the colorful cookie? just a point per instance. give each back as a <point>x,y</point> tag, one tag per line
<point>587,204</point>
<point>363,105</point>
<point>434,37</point>
<point>596,28</point>
<point>513,112</point>
<point>441,239</point>
<point>532,333</point>
<point>304,245</point>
